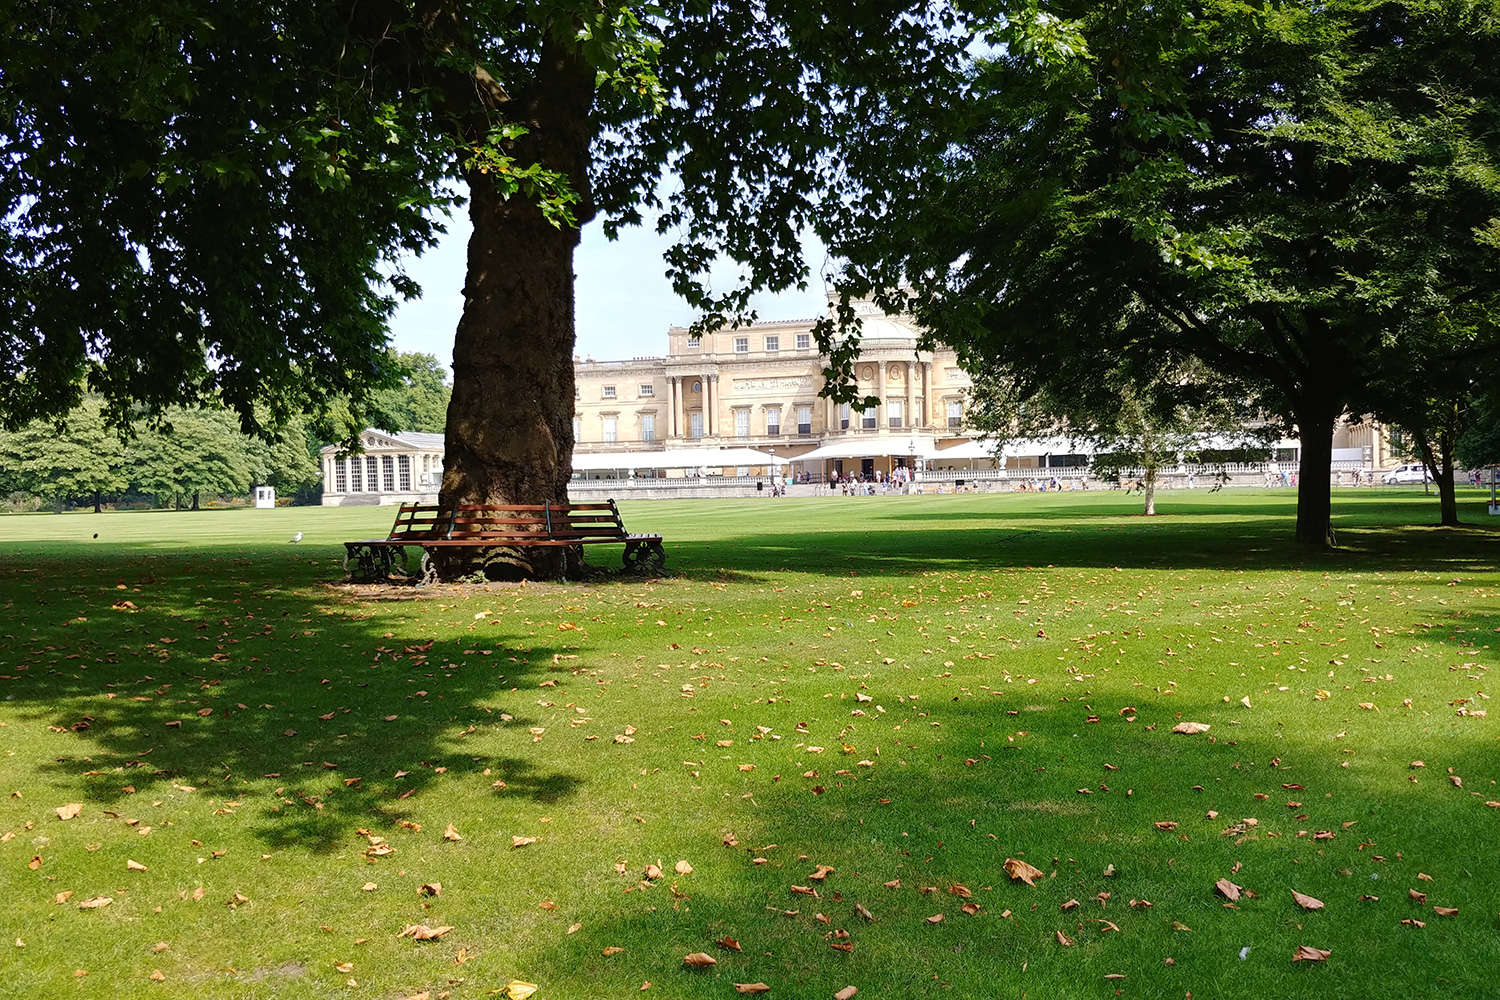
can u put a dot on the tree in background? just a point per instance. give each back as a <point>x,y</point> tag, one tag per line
<point>1136,423</point>
<point>1291,194</point>
<point>83,459</point>
<point>195,452</point>
<point>420,401</point>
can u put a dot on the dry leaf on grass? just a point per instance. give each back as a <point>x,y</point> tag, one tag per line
<point>1190,728</point>
<point>344,967</point>
<point>421,932</point>
<point>653,872</point>
<point>750,987</point>
<point>1022,871</point>
<point>699,960</point>
<point>1064,940</point>
<point>70,810</point>
<point>728,944</point>
<point>1227,889</point>
<point>452,833</point>
<point>683,868</point>
<point>1445,911</point>
<point>574,928</point>
<point>612,950</point>
<point>1307,953</point>
<point>860,909</point>
<point>845,993</point>
<point>936,918</point>
<point>426,888</point>
<point>96,902</point>
<point>135,866</point>
<point>1307,902</point>
<point>517,990</point>
<point>522,841</point>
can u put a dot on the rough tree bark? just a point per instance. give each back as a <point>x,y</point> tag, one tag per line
<point>509,436</point>
<point>1316,412</point>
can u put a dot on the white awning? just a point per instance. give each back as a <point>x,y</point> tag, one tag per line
<point>872,447</point>
<point>968,451</point>
<point>677,458</point>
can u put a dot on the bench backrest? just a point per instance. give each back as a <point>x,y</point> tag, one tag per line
<point>561,522</point>
<point>421,521</point>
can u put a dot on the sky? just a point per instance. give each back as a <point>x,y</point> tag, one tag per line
<point>625,303</point>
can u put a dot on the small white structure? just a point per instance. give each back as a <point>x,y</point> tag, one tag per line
<point>265,496</point>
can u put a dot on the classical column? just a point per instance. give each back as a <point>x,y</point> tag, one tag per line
<point>911,378</point>
<point>830,415</point>
<point>710,404</point>
<point>674,392</point>
<point>881,416</point>
<point>926,391</point>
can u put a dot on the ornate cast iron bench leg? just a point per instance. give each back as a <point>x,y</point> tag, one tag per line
<point>367,565</point>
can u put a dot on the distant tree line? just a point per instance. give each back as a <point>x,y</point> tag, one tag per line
<point>192,456</point>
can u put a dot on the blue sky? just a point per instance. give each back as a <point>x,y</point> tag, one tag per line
<point>624,302</point>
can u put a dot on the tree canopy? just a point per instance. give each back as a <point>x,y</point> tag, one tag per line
<point>1294,194</point>
<point>201,204</point>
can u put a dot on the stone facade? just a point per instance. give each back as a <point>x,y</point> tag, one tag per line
<point>758,387</point>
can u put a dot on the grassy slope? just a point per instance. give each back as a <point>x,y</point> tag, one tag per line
<point>986,632</point>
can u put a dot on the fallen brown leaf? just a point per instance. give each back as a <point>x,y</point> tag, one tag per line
<point>845,993</point>
<point>699,960</point>
<point>451,833</point>
<point>728,944</point>
<point>522,841</point>
<point>751,987</point>
<point>1227,889</point>
<point>1064,940</point>
<point>683,868</point>
<point>69,811</point>
<point>426,888</point>
<point>1307,902</point>
<point>1307,953</point>
<point>612,950</point>
<point>421,932</point>
<point>96,902</point>
<point>1190,728</point>
<point>936,918</point>
<point>1022,871</point>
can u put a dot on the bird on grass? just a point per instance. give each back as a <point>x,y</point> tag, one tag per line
<point>297,537</point>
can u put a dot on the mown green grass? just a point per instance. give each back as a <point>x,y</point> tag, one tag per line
<point>987,633</point>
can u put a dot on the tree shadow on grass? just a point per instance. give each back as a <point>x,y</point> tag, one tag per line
<point>1179,543</point>
<point>184,682</point>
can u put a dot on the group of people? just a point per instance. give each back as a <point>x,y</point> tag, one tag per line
<point>898,479</point>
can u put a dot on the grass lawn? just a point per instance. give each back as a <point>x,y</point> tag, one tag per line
<point>275,775</point>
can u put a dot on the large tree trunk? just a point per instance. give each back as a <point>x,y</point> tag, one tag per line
<point>1315,418</point>
<point>1150,491</point>
<point>510,421</point>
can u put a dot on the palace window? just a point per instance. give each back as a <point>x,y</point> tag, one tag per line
<point>804,341</point>
<point>648,427</point>
<point>868,419</point>
<point>647,389</point>
<point>843,416</point>
<point>609,392</point>
<point>742,345</point>
<point>894,411</point>
<point>773,344</point>
<point>340,476</point>
<point>356,475</point>
<point>695,424</point>
<point>694,343</point>
<point>804,420</point>
<point>403,472</point>
<point>372,474</point>
<point>577,429</point>
<point>955,413</point>
<point>387,474</point>
<point>773,420</point>
<point>611,428</point>
<point>742,423</point>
